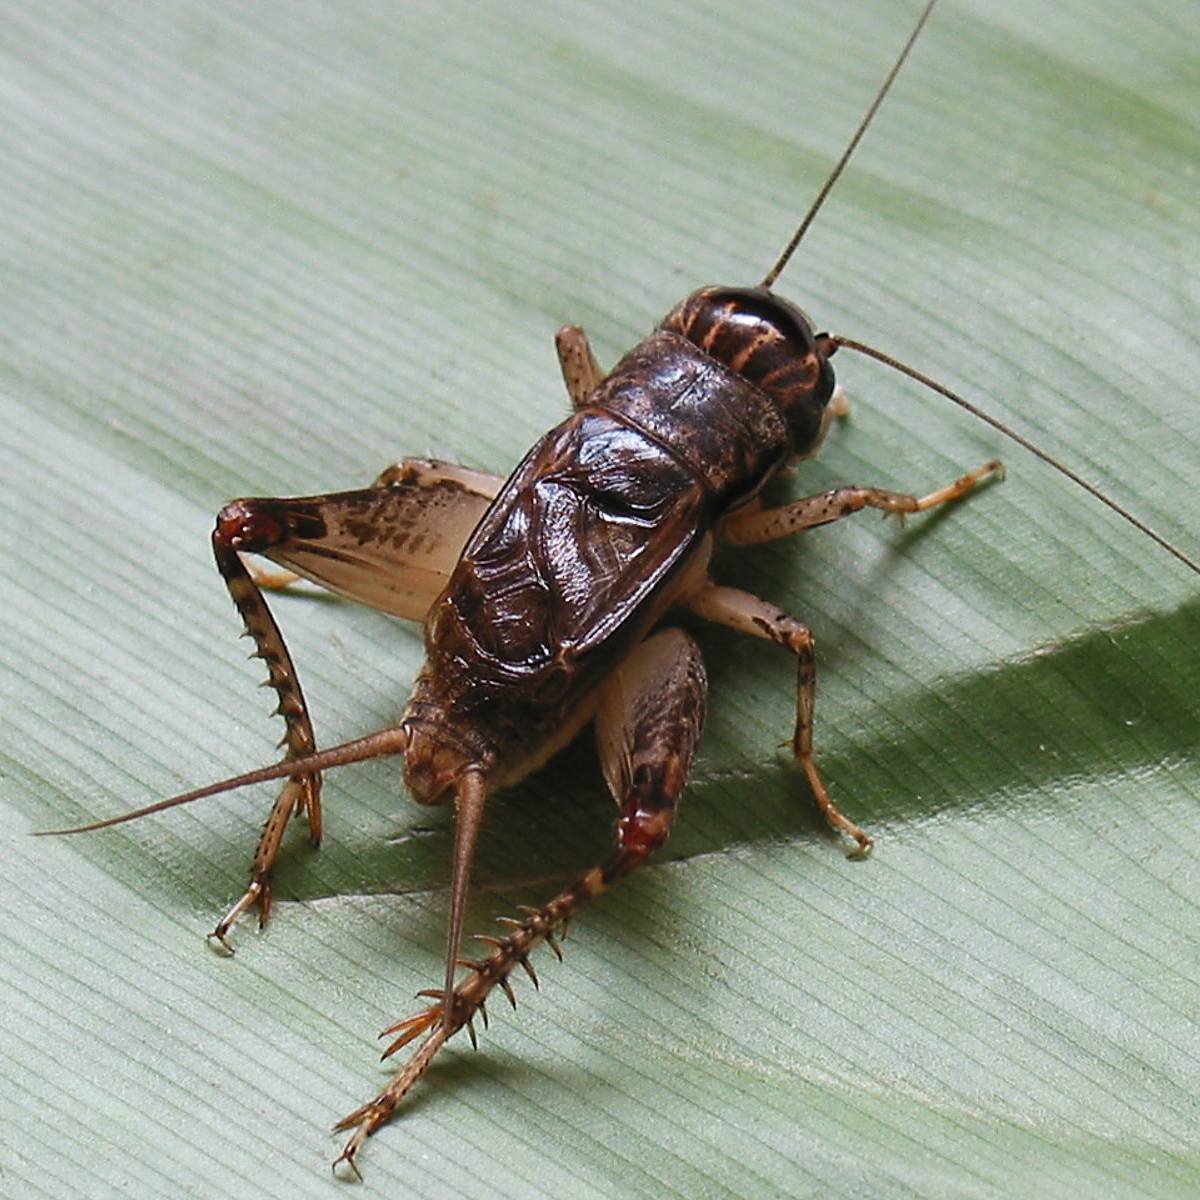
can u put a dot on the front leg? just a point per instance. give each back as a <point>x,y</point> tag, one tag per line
<point>752,526</point>
<point>580,370</point>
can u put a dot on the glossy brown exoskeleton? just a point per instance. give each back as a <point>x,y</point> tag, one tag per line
<point>547,600</point>
<point>553,609</point>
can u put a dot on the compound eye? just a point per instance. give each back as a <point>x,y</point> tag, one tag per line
<point>770,343</point>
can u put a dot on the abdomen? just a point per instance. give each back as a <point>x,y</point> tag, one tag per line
<point>583,548</point>
<point>563,576</point>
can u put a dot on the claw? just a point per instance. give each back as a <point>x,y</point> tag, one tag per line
<point>456,1006</point>
<point>367,1118</point>
<point>347,1157</point>
<point>222,942</point>
<point>264,904</point>
<point>862,850</point>
<point>259,892</point>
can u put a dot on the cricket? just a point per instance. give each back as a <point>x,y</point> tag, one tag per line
<point>546,600</point>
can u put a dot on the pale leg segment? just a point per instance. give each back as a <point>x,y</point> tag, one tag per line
<point>269,580</point>
<point>766,525</point>
<point>408,472</point>
<point>748,614</point>
<point>429,472</point>
<point>580,370</point>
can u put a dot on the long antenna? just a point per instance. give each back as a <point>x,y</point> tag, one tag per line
<point>827,187</point>
<point>828,342</point>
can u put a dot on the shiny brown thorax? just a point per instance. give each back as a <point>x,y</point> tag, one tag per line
<point>586,544</point>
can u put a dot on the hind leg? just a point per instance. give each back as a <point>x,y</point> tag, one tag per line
<point>439,484</point>
<point>436,472</point>
<point>302,790</point>
<point>647,725</point>
<point>391,546</point>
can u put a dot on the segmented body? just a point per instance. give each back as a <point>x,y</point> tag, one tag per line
<point>587,543</point>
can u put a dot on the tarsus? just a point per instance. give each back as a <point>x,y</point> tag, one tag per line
<point>831,341</point>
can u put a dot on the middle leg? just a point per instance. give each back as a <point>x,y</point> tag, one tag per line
<point>748,614</point>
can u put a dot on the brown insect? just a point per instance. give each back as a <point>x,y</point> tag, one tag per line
<point>546,597</point>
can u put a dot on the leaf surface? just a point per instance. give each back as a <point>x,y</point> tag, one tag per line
<point>268,249</point>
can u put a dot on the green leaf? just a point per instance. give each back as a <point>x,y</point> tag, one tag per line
<point>266,249</point>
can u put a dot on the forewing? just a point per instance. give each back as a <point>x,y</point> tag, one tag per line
<point>584,534</point>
